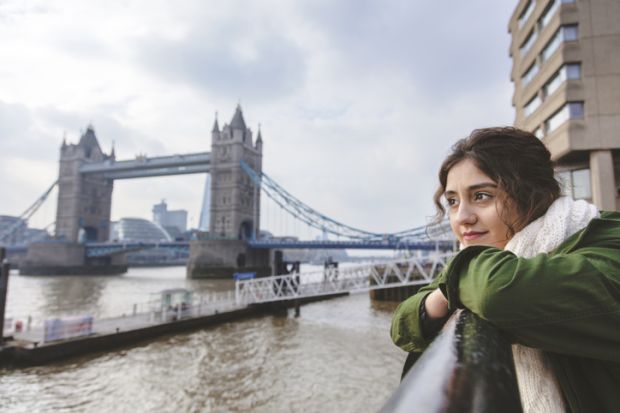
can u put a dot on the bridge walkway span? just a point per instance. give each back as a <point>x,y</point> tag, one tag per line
<point>354,279</point>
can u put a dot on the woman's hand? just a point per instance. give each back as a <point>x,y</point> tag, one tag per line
<point>436,305</point>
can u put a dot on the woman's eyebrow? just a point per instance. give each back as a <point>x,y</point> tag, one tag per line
<point>482,185</point>
<point>473,187</point>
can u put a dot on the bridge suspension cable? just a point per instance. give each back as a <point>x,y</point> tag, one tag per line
<point>317,220</point>
<point>25,216</point>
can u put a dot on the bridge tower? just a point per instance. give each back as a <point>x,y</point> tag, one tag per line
<point>235,201</point>
<point>235,206</point>
<point>84,201</point>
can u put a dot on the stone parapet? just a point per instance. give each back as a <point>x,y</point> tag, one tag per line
<point>64,258</point>
<point>56,254</point>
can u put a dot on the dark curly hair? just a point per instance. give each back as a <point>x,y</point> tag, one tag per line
<point>517,161</point>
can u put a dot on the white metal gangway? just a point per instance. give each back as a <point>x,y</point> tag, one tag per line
<point>360,278</point>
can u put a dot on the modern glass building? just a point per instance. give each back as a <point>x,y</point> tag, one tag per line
<point>139,230</point>
<point>566,75</point>
<point>166,218</point>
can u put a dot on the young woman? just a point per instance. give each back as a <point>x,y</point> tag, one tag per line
<point>541,267</point>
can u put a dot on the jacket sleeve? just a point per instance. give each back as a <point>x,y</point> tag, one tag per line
<point>406,330</point>
<point>566,303</point>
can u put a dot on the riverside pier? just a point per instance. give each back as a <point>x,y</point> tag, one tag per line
<point>178,310</point>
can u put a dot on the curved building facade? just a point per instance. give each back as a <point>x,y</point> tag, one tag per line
<point>138,229</point>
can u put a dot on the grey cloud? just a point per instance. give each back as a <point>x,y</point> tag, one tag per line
<point>108,129</point>
<point>82,45</point>
<point>37,133</point>
<point>208,60</point>
<point>14,10</point>
<point>19,135</point>
<point>15,120</point>
<point>444,53</point>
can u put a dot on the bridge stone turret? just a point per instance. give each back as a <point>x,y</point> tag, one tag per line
<point>84,201</point>
<point>82,215</point>
<point>234,200</point>
<point>235,206</point>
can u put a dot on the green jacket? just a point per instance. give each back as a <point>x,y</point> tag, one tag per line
<point>566,303</point>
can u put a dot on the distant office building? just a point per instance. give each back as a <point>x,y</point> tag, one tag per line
<point>15,231</point>
<point>12,229</point>
<point>138,230</point>
<point>566,74</point>
<point>163,217</point>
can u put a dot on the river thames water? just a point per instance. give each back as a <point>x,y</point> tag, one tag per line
<point>336,357</point>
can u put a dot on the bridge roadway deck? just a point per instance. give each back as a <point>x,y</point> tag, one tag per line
<point>389,244</point>
<point>97,249</point>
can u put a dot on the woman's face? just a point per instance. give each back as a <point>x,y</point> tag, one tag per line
<point>475,206</point>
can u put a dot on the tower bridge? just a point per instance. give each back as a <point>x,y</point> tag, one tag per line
<point>87,175</point>
<point>85,186</point>
<point>86,182</point>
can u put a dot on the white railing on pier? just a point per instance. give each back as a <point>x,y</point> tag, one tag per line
<point>142,315</point>
<point>360,278</point>
<point>354,279</point>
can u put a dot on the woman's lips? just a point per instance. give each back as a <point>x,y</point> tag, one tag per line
<point>473,235</point>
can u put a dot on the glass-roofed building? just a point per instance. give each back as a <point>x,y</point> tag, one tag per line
<point>138,230</point>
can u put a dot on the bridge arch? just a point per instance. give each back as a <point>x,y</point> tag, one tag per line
<point>91,234</point>
<point>246,230</point>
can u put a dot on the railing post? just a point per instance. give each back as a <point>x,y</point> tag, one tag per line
<point>4,284</point>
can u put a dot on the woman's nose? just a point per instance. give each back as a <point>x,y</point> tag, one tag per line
<point>465,214</point>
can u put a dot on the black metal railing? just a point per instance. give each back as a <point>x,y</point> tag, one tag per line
<point>467,368</point>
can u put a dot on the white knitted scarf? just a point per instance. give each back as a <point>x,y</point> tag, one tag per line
<point>537,385</point>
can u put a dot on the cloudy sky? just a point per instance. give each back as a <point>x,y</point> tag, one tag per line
<point>359,100</point>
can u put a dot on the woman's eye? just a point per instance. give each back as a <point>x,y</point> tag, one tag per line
<point>451,201</point>
<point>480,196</point>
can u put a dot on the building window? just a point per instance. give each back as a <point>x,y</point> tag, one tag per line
<point>576,183</point>
<point>569,71</point>
<point>527,12</point>
<point>575,110</point>
<point>527,44</point>
<point>548,14</point>
<point>564,34</point>
<point>571,110</point>
<point>529,74</point>
<point>573,71</point>
<point>532,105</point>
<point>570,33</point>
<point>539,133</point>
<point>552,46</point>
